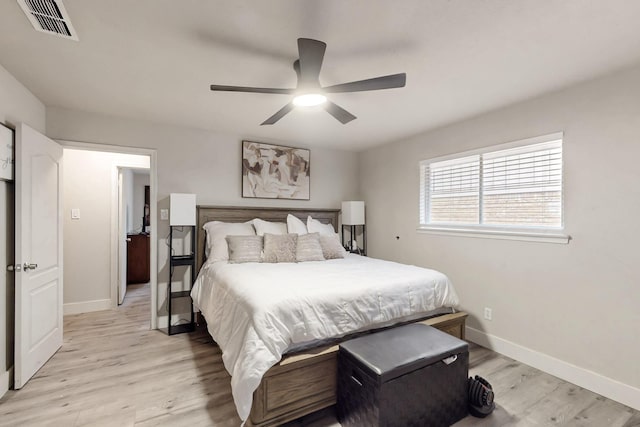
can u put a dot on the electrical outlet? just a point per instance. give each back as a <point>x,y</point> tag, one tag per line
<point>488,313</point>
<point>164,214</point>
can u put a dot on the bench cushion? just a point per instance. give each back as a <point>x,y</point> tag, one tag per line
<point>398,351</point>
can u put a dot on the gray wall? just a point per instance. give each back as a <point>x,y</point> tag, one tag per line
<point>575,305</point>
<point>17,105</point>
<point>204,163</point>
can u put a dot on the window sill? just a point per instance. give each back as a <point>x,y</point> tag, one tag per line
<point>525,236</point>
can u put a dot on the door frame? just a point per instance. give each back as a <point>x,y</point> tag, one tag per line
<point>153,201</point>
<point>122,236</point>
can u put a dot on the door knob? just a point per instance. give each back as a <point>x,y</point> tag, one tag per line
<point>28,266</point>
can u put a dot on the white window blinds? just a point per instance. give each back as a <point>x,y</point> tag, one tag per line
<point>523,186</point>
<point>454,190</point>
<point>514,187</point>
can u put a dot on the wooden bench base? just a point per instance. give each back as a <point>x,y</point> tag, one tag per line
<point>306,382</point>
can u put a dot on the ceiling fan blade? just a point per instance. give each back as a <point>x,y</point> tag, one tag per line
<point>252,89</point>
<point>342,115</point>
<point>376,83</point>
<point>280,114</point>
<point>311,55</point>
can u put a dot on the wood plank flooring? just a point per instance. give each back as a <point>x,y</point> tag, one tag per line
<point>113,371</point>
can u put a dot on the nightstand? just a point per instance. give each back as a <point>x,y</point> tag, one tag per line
<point>188,261</point>
<point>353,236</point>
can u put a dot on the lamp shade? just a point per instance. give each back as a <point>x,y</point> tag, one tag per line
<point>353,213</point>
<point>182,209</point>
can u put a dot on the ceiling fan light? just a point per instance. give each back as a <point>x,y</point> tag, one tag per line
<point>309,100</point>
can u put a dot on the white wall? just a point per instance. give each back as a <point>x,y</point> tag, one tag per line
<point>17,105</point>
<point>570,308</point>
<point>88,184</point>
<point>204,163</point>
<point>127,194</point>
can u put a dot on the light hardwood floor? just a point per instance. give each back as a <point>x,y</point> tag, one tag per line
<point>113,371</point>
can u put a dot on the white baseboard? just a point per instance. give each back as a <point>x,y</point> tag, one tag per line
<point>584,378</point>
<point>86,306</point>
<point>5,379</point>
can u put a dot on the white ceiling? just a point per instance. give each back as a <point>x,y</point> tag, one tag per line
<point>155,59</point>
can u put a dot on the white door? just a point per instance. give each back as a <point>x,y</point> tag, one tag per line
<point>122,239</point>
<point>38,221</point>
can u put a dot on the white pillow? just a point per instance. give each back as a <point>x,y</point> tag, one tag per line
<point>216,248</point>
<point>295,225</point>
<point>269,227</point>
<point>315,226</point>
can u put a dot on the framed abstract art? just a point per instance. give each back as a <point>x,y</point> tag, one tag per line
<point>275,171</point>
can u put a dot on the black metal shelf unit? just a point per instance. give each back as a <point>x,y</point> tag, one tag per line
<point>352,236</point>
<point>175,261</point>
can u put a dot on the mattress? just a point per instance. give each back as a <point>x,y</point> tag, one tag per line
<point>256,312</point>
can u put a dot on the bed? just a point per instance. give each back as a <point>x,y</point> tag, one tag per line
<point>270,389</point>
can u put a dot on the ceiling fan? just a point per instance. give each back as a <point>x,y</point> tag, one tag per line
<point>308,91</point>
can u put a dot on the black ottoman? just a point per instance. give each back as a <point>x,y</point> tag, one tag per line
<point>412,375</point>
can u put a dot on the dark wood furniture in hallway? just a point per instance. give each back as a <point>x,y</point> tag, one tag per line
<point>138,260</point>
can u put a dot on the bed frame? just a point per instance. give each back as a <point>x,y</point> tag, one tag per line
<point>304,382</point>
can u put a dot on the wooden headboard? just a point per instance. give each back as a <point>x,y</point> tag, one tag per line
<point>243,214</point>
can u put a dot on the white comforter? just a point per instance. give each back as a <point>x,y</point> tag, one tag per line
<point>256,311</point>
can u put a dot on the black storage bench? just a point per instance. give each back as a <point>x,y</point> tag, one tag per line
<point>412,375</point>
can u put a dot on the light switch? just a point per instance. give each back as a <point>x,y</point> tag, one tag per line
<point>75,213</point>
<point>164,214</point>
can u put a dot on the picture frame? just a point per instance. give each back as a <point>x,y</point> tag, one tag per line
<point>275,171</point>
<point>6,153</point>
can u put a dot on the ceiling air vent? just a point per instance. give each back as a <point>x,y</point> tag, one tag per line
<point>49,16</point>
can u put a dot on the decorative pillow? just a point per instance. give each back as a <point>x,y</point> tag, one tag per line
<point>295,225</point>
<point>315,226</point>
<point>280,247</point>
<point>331,246</point>
<point>269,227</point>
<point>216,248</point>
<point>308,248</point>
<point>244,249</point>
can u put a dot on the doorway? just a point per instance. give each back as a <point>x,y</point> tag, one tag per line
<point>134,221</point>
<point>98,216</point>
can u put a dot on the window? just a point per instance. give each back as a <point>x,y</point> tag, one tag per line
<point>511,189</point>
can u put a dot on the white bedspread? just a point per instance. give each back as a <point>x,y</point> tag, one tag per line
<point>256,311</point>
